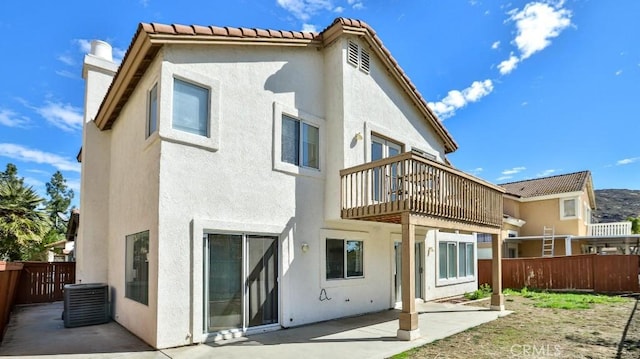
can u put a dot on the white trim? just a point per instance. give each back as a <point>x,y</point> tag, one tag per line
<point>278,165</point>
<point>459,238</point>
<point>345,235</point>
<point>549,196</point>
<point>514,221</point>
<point>200,227</point>
<point>169,72</point>
<point>577,209</point>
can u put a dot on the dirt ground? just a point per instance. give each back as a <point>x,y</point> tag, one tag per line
<point>532,332</point>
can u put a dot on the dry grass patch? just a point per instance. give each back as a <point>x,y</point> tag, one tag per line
<point>546,325</point>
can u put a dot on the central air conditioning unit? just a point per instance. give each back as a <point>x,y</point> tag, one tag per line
<point>85,304</point>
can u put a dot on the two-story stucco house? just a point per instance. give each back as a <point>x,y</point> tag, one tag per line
<point>238,180</point>
<point>551,216</point>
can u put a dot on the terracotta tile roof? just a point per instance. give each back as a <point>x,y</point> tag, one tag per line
<point>129,77</point>
<point>571,182</point>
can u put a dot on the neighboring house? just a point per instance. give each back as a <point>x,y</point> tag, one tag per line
<point>63,250</point>
<point>562,204</point>
<point>239,180</point>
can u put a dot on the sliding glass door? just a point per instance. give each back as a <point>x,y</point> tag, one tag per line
<point>241,281</point>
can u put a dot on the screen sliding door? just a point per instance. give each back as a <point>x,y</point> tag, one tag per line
<point>242,281</point>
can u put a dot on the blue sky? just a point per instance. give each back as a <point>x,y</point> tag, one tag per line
<point>527,88</point>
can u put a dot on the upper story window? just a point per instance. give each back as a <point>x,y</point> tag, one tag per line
<point>152,111</point>
<point>483,237</point>
<point>587,213</point>
<point>190,108</point>
<point>300,143</point>
<point>568,208</point>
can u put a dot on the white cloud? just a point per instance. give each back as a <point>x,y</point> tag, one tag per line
<point>455,99</point>
<point>502,178</point>
<point>309,28</point>
<point>338,9</point>
<point>33,182</point>
<point>11,119</point>
<point>84,45</point>
<point>619,72</point>
<point>513,170</point>
<point>61,115</point>
<point>627,161</point>
<point>21,153</point>
<point>509,65</point>
<point>118,54</point>
<point>67,60</point>
<point>304,9</point>
<point>145,3</point>
<point>68,74</point>
<point>495,45</point>
<point>358,6</point>
<point>537,24</point>
<point>546,173</point>
<point>476,171</point>
<point>74,184</point>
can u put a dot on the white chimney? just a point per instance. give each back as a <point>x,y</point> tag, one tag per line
<point>102,50</point>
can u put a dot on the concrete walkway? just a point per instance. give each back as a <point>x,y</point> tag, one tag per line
<point>39,331</point>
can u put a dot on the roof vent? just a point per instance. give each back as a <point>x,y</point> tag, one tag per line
<point>102,50</point>
<point>352,54</point>
<point>364,61</point>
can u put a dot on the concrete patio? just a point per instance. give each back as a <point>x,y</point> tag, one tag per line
<point>38,331</point>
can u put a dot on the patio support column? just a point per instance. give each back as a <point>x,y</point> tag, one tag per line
<point>408,317</point>
<point>567,246</point>
<point>497,298</point>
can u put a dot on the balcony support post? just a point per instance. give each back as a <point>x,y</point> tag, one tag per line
<point>497,298</point>
<point>408,317</point>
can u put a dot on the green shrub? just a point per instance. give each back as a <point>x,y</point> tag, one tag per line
<point>482,292</point>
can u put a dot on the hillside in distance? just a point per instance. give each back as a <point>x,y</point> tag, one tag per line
<point>616,205</point>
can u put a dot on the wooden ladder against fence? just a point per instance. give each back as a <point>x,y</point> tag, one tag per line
<point>548,240</point>
<point>42,282</point>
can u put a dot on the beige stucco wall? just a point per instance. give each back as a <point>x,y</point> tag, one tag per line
<point>539,214</point>
<point>511,207</point>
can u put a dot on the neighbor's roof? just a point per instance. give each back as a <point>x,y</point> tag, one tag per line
<point>565,183</point>
<point>149,38</point>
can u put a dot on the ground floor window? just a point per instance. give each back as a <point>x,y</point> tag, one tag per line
<point>456,260</point>
<point>344,259</point>
<point>137,267</point>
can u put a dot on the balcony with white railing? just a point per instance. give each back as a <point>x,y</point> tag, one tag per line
<point>609,229</point>
<point>382,190</point>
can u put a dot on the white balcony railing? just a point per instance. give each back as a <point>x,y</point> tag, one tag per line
<point>609,229</point>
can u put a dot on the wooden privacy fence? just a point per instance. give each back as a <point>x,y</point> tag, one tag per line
<point>9,275</point>
<point>600,273</point>
<point>42,282</point>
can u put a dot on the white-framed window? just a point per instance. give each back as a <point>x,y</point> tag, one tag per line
<point>137,267</point>
<point>298,141</point>
<point>456,261</point>
<point>190,108</point>
<point>569,208</point>
<point>483,237</point>
<point>152,111</point>
<point>511,233</point>
<point>466,260</point>
<point>344,259</point>
<point>190,111</point>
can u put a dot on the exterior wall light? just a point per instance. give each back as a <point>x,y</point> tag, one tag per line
<point>305,247</point>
